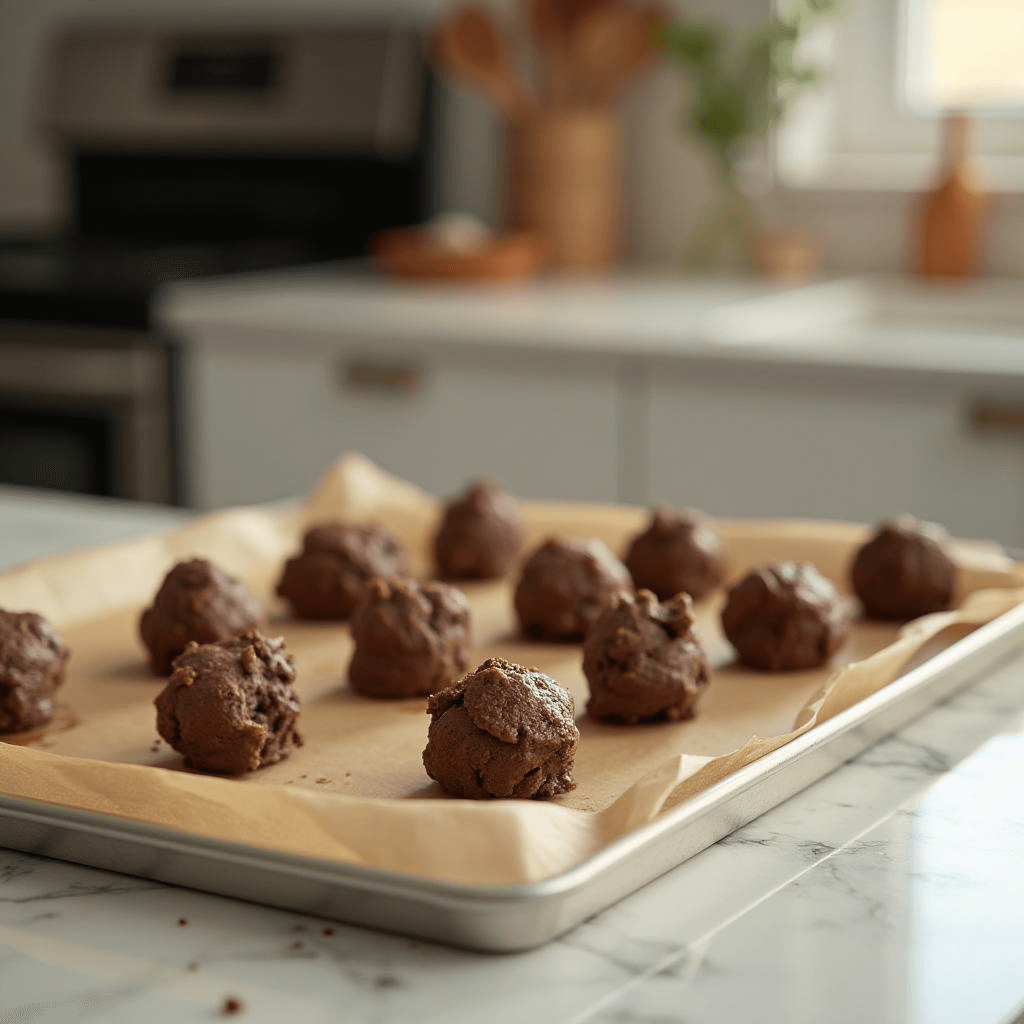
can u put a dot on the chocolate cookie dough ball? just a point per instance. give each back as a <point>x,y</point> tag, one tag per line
<point>32,660</point>
<point>196,601</point>
<point>229,706</point>
<point>678,552</point>
<point>566,586</point>
<point>905,570</point>
<point>503,731</point>
<point>785,617</point>
<point>328,578</point>
<point>643,661</point>
<point>480,535</point>
<point>411,639</point>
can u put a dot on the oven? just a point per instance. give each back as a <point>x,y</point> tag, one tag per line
<point>188,153</point>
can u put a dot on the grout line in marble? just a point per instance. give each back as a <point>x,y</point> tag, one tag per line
<point>705,939</point>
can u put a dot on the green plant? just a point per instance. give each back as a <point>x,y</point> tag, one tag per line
<point>738,93</point>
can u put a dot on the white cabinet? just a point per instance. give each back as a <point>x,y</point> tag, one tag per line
<point>731,438</point>
<point>741,443</point>
<point>267,424</point>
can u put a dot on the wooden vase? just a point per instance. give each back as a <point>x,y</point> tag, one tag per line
<point>950,219</point>
<point>565,186</point>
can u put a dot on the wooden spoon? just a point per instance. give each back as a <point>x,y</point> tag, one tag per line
<point>612,47</point>
<point>554,24</point>
<point>471,47</point>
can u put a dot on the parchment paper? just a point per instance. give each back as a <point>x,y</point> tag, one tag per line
<point>357,791</point>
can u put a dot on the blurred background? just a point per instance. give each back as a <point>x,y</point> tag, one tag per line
<point>760,259</point>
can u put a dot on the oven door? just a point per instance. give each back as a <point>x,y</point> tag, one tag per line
<point>87,410</point>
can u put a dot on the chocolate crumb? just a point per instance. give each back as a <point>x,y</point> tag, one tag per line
<point>328,932</point>
<point>182,922</point>
<point>231,1007</point>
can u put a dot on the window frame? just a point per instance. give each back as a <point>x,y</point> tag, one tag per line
<point>861,130</point>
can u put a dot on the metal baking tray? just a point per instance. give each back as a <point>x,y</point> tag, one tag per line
<point>518,917</point>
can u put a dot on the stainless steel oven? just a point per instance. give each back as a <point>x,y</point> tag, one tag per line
<point>88,410</point>
<point>188,152</point>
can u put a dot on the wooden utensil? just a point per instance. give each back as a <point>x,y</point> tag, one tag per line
<point>554,24</point>
<point>950,220</point>
<point>471,46</point>
<point>612,46</point>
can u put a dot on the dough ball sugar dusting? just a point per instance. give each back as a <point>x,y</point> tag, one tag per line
<point>678,552</point>
<point>566,586</point>
<point>411,638</point>
<point>785,617</point>
<point>230,706</point>
<point>32,662</point>
<point>904,570</point>
<point>197,601</point>
<point>502,731</point>
<point>643,661</point>
<point>480,534</point>
<point>328,578</point>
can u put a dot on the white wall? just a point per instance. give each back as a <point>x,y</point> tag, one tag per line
<point>668,180</point>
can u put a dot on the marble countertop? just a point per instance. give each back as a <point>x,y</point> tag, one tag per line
<point>890,892</point>
<point>866,325</point>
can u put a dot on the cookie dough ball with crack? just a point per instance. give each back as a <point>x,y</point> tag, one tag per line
<point>411,639</point>
<point>328,578</point>
<point>229,706</point>
<point>785,617</point>
<point>480,535</point>
<point>32,662</point>
<point>905,570</point>
<point>502,731</point>
<point>197,601</point>
<point>643,661</point>
<point>566,586</point>
<point>678,552</point>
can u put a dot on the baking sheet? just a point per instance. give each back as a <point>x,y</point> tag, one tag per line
<point>357,793</point>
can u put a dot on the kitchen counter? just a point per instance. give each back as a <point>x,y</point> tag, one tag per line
<point>890,891</point>
<point>850,324</point>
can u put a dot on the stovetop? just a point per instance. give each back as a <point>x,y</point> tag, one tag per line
<point>110,281</point>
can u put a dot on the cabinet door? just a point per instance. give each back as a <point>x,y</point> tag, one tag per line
<point>824,450</point>
<point>268,425</point>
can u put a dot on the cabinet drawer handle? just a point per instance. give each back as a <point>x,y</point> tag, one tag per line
<point>383,377</point>
<point>997,418</point>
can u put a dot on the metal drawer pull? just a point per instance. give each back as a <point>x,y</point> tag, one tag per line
<point>390,378</point>
<point>993,417</point>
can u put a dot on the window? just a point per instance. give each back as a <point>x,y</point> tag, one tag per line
<point>894,67</point>
<point>965,54</point>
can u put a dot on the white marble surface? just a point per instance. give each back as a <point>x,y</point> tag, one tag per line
<point>891,891</point>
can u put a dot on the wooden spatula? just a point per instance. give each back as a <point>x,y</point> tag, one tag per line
<point>554,24</point>
<point>471,46</point>
<point>612,47</point>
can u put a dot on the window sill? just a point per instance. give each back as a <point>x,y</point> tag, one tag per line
<point>871,172</point>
